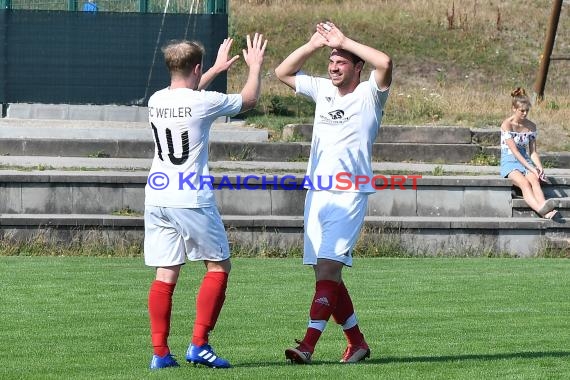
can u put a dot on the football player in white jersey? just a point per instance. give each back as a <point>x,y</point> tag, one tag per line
<point>348,114</point>
<point>181,217</point>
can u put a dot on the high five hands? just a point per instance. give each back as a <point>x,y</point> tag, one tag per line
<point>328,34</point>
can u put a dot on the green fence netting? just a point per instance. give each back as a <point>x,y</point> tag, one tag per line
<point>151,6</point>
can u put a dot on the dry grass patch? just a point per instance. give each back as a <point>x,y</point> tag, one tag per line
<point>455,61</point>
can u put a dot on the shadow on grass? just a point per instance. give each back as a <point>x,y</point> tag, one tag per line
<point>451,358</point>
<point>427,359</point>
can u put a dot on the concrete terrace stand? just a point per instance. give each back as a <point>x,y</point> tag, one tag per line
<point>442,215</point>
<point>70,173</point>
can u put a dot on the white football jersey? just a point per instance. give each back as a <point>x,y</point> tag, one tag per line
<point>344,130</point>
<point>181,120</point>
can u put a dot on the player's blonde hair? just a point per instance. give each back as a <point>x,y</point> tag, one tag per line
<point>182,56</point>
<point>520,98</point>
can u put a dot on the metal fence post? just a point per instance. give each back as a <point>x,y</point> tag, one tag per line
<point>143,6</point>
<point>5,4</point>
<point>548,46</point>
<point>71,5</point>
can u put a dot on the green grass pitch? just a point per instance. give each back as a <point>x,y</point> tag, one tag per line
<point>440,318</point>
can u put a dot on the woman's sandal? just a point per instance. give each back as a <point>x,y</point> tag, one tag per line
<point>547,207</point>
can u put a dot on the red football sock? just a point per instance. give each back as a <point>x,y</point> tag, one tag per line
<point>324,302</point>
<point>209,302</point>
<point>344,315</point>
<point>159,310</point>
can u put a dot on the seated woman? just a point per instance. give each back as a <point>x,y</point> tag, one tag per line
<point>520,161</point>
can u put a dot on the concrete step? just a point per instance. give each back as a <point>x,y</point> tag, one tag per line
<point>292,221</point>
<point>389,152</point>
<point>417,134</point>
<point>522,210</point>
<point>416,235</point>
<point>52,136</point>
<point>548,159</point>
<point>486,136</point>
<point>433,140</point>
<point>246,150</point>
<point>108,112</point>
<point>234,141</point>
<point>106,192</point>
<point>44,163</point>
<point>143,164</point>
<point>225,150</point>
<point>559,244</point>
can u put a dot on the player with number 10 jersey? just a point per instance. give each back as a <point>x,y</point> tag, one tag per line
<point>182,222</point>
<point>181,120</point>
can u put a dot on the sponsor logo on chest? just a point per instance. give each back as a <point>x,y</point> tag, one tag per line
<point>334,117</point>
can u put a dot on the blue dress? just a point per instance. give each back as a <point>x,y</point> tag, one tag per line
<point>508,161</point>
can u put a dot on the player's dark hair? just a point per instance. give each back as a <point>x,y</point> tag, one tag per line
<point>182,56</point>
<point>354,58</point>
<point>349,55</point>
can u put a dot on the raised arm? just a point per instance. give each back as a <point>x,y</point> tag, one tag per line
<point>287,70</point>
<point>222,64</point>
<point>254,59</point>
<point>381,62</point>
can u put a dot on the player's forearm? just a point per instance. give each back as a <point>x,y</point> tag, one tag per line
<point>376,58</point>
<point>207,78</point>
<point>251,89</point>
<point>294,62</point>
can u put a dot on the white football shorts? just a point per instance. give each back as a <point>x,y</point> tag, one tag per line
<point>333,220</point>
<point>174,234</point>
